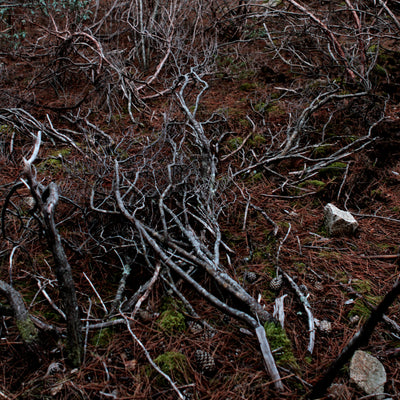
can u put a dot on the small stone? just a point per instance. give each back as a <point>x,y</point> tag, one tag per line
<point>205,361</point>
<point>338,222</point>
<point>368,373</point>
<point>55,368</point>
<point>324,326</point>
<point>354,319</point>
<point>276,283</point>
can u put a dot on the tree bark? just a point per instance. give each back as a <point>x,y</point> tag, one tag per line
<point>25,325</point>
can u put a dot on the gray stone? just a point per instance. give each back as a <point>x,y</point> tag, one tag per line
<point>338,222</point>
<point>368,373</point>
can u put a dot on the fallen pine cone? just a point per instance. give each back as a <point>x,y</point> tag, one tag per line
<point>205,362</point>
<point>250,276</point>
<point>276,283</point>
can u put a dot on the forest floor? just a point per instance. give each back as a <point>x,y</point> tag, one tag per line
<point>342,277</point>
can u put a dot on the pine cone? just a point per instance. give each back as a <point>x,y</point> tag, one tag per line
<point>195,327</point>
<point>205,361</point>
<point>250,276</point>
<point>276,283</point>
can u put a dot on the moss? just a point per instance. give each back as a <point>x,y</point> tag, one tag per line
<point>235,142</point>
<point>102,338</point>
<point>322,151</point>
<point>300,267</point>
<point>27,330</point>
<point>380,71</point>
<point>308,359</point>
<point>6,130</point>
<point>284,224</point>
<point>173,364</point>
<point>260,107</point>
<point>361,286</point>
<point>248,86</point>
<point>171,361</point>
<point>360,309</point>
<point>313,182</point>
<point>224,61</point>
<point>269,295</point>
<point>61,153</point>
<point>258,140</point>
<point>264,252</point>
<point>245,74</point>
<point>333,170</point>
<point>245,123</point>
<point>53,165</point>
<point>275,109</point>
<point>172,321</point>
<point>372,49</point>
<point>279,342</point>
<point>341,276</point>
<point>330,255</point>
<point>256,177</point>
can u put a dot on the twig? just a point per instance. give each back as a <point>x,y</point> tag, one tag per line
<point>361,338</point>
<point>96,293</point>
<point>86,331</point>
<point>238,149</point>
<point>147,292</point>
<point>390,12</point>
<point>126,270</point>
<point>343,181</point>
<point>45,294</point>
<point>266,216</point>
<point>307,308</point>
<point>268,358</point>
<point>153,364</point>
<point>330,34</point>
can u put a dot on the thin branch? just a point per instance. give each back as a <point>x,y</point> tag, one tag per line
<point>152,363</point>
<point>361,338</point>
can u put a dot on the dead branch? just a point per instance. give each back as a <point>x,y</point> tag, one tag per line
<point>23,320</point>
<point>330,34</point>
<point>152,363</point>
<point>361,338</point>
<point>147,292</point>
<point>46,200</point>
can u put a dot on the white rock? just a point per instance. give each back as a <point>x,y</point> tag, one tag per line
<point>338,222</point>
<point>368,373</point>
<point>324,325</point>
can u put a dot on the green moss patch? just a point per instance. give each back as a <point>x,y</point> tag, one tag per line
<point>333,170</point>
<point>174,364</point>
<point>102,338</point>
<point>171,322</point>
<point>280,345</point>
